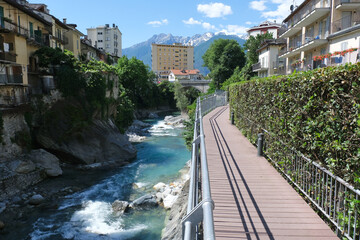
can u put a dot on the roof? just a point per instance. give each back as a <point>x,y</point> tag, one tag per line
<point>185,72</point>
<point>271,42</point>
<point>297,9</point>
<point>27,11</point>
<point>265,25</point>
<point>60,23</point>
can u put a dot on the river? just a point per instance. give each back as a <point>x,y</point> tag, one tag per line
<point>88,214</point>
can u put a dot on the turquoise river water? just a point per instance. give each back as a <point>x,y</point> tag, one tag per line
<point>88,214</point>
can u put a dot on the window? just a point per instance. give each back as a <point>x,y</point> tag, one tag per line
<point>100,40</point>
<point>31,28</point>
<point>107,45</point>
<point>100,33</point>
<point>344,46</point>
<point>77,44</point>
<point>107,38</point>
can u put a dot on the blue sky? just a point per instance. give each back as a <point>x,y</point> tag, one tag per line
<point>138,20</point>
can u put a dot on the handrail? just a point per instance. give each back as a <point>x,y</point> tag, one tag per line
<point>335,198</point>
<point>200,204</point>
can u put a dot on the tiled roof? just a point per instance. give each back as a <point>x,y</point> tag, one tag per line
<point>185,72</point>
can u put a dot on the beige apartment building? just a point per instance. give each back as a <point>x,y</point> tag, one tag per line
<point>168,57</point>
<point>321,33</point>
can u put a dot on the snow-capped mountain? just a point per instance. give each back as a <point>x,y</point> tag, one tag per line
<point>201,42</point>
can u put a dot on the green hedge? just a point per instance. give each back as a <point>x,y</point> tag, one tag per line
<point>315,112</point>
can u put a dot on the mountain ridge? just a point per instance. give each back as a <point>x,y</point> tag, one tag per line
<point>201,42</point>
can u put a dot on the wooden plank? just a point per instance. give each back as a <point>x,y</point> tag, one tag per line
<point>252,200</point>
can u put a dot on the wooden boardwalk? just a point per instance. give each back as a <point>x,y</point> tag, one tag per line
<point>252,200</point>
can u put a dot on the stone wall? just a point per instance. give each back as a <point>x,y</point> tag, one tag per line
<point>13,122</point>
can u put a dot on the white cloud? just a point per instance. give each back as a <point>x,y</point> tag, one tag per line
<point>282,11</point>
<point>208,26</point>
<point>158,23</point>
<point>214,10</point>
<point>192,21</point>
<point>205,25</point>
<point>258,5</point>
<point>248,23</point>
<point>234,30</point>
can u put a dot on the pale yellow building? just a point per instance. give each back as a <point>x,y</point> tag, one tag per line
<point>321,33</point>
<point>22,33</point>
<point>74,39</point>
<point>168,57</point>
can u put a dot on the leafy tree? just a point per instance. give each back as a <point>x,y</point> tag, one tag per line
<point>137,79</point>
<point>222,58</point>
<point>252,44</point>
<point>165,91</point>
<point>181,100</point>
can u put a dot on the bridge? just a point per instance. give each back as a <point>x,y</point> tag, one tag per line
<point>243,196</point>
<point>201,85</point>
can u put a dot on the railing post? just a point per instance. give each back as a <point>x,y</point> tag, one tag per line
<point>232,117</point>
<point>260,144</point>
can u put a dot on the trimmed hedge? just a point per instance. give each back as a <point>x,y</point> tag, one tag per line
<point>315,112</point>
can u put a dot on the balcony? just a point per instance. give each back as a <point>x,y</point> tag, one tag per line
<point>347,5</point>
<point>62,39</point>
<point>306,16</point>
<point>346,22</point>
<point>11,79</point>
<point>311,41</point>
<point>7,57</point>
<point>257,67</point>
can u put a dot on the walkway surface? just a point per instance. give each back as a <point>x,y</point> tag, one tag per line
<point>252,200</point>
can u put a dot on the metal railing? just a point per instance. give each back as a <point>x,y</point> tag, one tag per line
<point>256,66</point>
<point>304,12</point>
<point>336,199</point>
<point>200,205</point>
<point>346,22</point>
<point>339,2</point>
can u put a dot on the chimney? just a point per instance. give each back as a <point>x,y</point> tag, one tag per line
<point>64,20</point>
<point>107,25</point>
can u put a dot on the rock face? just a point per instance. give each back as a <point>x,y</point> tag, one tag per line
<point>137,131</point>
<point>177,121</point>
<point>99,142</point>
<point>18,173</point>
<point>173,229</point>
<point>144,201</point>
<point>47,161</point>
<point>119,207</point>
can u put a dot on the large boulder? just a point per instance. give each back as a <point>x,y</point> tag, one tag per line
<point>100,141</point>
<point>119,207</point>
<point>25,167</point>
<point>36,199</point>
<point>47,161</point>
<point>144,202</point>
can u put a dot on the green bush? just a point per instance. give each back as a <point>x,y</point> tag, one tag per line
<point>315,112</point>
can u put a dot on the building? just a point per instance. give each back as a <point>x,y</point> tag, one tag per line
<point>321,33</point>
<point>22,32</point>
<point>73,39</point>
<point>168,57</point>
<point>269,62</point>
<point>176,75</point>
<point>265,27</point>
<point>106,38</point>
<point>58,30</point>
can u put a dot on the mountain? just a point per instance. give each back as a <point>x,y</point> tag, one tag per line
<point>200,50</point>
<point>201,43</point>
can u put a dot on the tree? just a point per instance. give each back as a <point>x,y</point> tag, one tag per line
<point>137,80</point>
<point>252,45</point>
<point>222,58</point>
